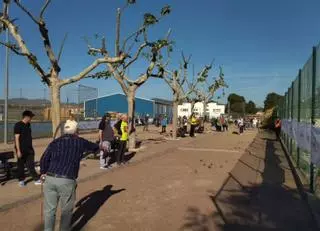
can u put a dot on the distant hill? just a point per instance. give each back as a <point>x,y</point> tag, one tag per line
<point>24,101</point>
<point>30,102</point>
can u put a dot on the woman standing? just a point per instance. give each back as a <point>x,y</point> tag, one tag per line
<point>106,137</point>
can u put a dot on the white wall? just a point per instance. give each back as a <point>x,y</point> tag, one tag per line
<point>214,110</point>
<point>184,110</point>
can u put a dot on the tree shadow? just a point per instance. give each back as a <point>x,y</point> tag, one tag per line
<point>256,196</point>
<point>88,206</point>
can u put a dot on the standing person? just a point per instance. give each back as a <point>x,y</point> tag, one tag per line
<point>277,126</point>
<point>185,124</point>
<point>164,123</point>
<point>254,122</point>
<point>193,123</point>
<point>123,140</point>
<point>60,167</point>
<point>241,125</point>
<point>146,123</point>
<point>222,122</point>
<point>24,148</point>
<point>106,137</point>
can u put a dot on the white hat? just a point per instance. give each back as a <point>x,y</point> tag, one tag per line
<point>70,127</point>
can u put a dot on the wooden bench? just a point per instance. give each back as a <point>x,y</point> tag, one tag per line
<point>4,158</point>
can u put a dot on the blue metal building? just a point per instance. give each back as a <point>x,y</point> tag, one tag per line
<point>117,103</point>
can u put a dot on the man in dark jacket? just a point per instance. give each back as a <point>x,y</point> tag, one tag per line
<point>59,166</point>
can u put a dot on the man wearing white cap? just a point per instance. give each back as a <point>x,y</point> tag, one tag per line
<point>60,166</point>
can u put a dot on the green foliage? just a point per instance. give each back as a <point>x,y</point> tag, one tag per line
<point>92,53</point>
<point>272,100</point>
<point>165,10</point>
<point>237,103</point>
<point>101,74</point>
<point>149,19</point>
<point>251,108</point>
<point>203,75</point>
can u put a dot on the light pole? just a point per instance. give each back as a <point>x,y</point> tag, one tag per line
<point>6,85</point>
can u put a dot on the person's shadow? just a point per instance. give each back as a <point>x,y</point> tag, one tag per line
<point>89,205</point>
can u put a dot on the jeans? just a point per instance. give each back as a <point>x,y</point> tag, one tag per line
<point>28,160</point>
<point>121,151</point>
<point>56,189</point>
<point>105,153</point>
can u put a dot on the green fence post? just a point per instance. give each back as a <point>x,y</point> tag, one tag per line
<point>288,115</point>
<point>291,117</point>
<point>299,114</point>
<point>313,108</point>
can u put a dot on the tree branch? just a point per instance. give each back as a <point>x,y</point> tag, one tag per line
<point>47,45</point>
<point>90,68</point>
<point>24,51</point>
<point>118,77</point>
<point>62,46</point>
<point>24,9</point>
<point>44,9</point>
<point>142,46</point>
<point>118,25</point>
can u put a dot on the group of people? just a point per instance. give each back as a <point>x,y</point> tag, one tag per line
<point>60,163</point>
<point>245,123</point>
<point>112,136</point>
<point>220,123</point>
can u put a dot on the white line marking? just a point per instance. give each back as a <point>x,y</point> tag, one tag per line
<point>208,150</point>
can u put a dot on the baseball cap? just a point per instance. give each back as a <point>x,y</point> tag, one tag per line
<point>70,127</point>
<point>28,113</point>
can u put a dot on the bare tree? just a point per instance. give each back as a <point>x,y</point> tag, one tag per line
<point>52,77</point>
<point>136,45</point>
<point>181,91</point>
<point>207,88</point>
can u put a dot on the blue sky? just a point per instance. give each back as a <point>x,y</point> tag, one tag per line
<point>261,44</point>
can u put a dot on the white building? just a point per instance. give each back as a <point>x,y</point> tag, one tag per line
<point>214,110</point>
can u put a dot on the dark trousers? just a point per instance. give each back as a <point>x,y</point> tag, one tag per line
<point>278,131</point>
<point>164,129</point>
<point>121,151</point>
<point>241,129</point>
<point>28,160</point>
<point>192,128</point>
<point>185,128</point>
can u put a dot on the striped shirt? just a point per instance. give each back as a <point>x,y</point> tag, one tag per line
<point>64,154</point>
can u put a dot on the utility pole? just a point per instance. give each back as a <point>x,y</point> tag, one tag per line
<point>6,87</point>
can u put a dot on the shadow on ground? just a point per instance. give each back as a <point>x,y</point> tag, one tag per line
<point>255,196</point>
<point>88,206</point>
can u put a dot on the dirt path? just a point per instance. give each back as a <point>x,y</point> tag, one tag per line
<point>155,193</point>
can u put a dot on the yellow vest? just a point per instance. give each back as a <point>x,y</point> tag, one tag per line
<point>124,136</point>
<point>194,121</point>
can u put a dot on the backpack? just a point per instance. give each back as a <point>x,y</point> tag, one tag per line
<point>117,126</point>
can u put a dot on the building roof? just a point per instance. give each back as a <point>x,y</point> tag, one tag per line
<point>156,100</point>
<point>162,101</point>
<point>118,93</point>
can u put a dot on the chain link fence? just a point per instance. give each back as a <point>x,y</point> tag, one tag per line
<point>300,114</point>
<point>38,101</point>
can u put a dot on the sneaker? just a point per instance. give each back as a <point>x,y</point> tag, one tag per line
<point>38,182</point>
<point>22,184</point>
<point>104,168</point>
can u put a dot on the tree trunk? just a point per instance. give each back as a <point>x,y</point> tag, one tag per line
<point>204,112</point>
<point>192,106</point>
<point>174,118</point>
<point>131,116</point>
<point>55,108</point>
